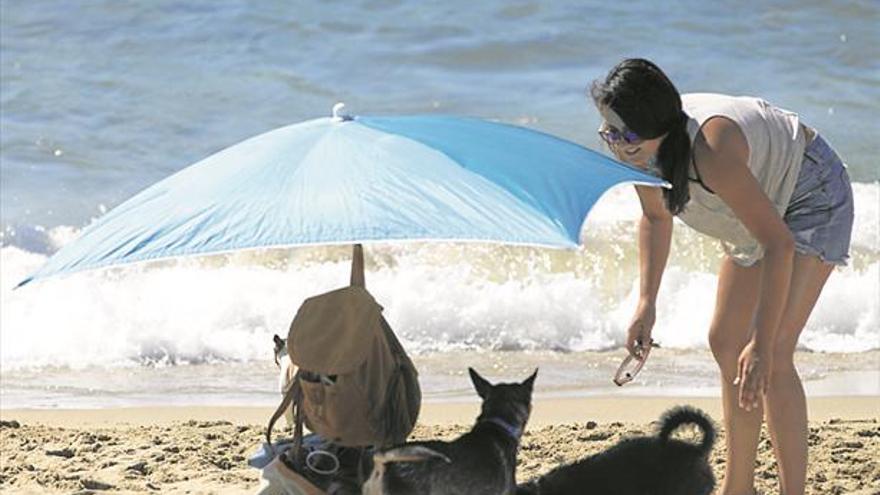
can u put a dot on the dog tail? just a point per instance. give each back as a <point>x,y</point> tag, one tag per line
<point>682,415</point>
<point>409,453</point>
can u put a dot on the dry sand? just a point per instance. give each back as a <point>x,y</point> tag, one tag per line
<point>205,450</point>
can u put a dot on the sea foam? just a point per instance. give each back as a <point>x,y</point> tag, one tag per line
<point>439,297</point>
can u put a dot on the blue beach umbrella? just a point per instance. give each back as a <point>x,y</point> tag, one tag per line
<point>348,179</point>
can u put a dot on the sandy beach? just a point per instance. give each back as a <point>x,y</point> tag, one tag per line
<point>205,450</point>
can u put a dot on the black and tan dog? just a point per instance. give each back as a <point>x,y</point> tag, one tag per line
<point>640,466</point>
<point>482,461</point>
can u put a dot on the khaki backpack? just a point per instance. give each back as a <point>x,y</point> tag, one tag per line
<point>355,386</point>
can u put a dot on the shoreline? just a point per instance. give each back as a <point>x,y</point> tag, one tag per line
<point>442,376</point>
<point>552,411</point>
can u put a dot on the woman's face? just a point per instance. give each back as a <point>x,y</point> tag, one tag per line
<point>638,153</point>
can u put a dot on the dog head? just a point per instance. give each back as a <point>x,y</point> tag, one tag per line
<point>280,349</point>
<point>508,402</point>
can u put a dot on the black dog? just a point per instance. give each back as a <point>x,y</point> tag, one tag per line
<point>639,466</point>
<point>482,461</point>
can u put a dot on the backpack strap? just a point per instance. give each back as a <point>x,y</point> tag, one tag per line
<point>292,395</point>
<point>357,266</point>
<point>298,456</point>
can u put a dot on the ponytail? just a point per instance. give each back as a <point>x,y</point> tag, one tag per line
<point>674,158</point>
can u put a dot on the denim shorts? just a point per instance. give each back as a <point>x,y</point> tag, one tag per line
<point>820,213</point>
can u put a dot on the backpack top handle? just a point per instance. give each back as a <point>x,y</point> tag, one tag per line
<point>357,266</point>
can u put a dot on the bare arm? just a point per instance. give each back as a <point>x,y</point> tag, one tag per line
<point>655,234</point>
<point>721,153</point>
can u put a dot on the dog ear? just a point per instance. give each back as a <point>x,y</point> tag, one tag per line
<point>530,381</point>
<point>481,384</point>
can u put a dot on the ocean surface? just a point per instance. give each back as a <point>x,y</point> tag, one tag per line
<point>100,99</point>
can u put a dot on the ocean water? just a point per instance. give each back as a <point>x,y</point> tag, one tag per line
<point>100,99</point>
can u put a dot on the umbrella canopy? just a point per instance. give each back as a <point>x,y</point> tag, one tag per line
<point>356,179</point>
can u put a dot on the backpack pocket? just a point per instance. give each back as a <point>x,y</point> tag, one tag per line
<point>313,397</point>
<point>335,411</point>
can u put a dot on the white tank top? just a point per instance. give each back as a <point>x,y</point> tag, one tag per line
<point>776,146</point>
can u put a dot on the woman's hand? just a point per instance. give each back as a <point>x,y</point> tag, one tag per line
<point>638,335</point>
<point>753,375</point>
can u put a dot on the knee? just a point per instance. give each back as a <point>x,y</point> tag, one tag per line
<point>783,361</point>
<point>722,341</point>
<point>783,348</point>
<point>724,345</point>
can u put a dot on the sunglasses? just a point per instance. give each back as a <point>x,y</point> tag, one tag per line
<point>613,136</point>
<point>631,365</point>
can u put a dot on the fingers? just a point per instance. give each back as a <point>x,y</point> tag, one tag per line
<point>639,349</point>
<point>751,383</point>
<point>630,346</point>
<point>740,381</point>
<point>763,386</point>
<point>634,343</point>
<point>755,390</point>
<point>638,339</point>
<point>740,371</point>
<point>747,394</point>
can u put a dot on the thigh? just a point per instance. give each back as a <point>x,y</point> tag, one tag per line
<point>735,303</point>
<point>808,277</point>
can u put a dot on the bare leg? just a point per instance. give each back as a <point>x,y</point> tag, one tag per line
<point>784,400</point>
<point>731,329</point>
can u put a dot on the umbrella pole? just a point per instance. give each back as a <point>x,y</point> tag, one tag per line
<point>357,266</point>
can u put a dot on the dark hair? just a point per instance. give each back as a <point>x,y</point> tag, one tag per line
<point>650,106</point>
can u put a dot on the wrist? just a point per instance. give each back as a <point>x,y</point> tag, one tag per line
<point>646,302</point>
<point>759,346</point>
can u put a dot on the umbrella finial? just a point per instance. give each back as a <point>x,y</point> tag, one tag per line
<point>337,109</point>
